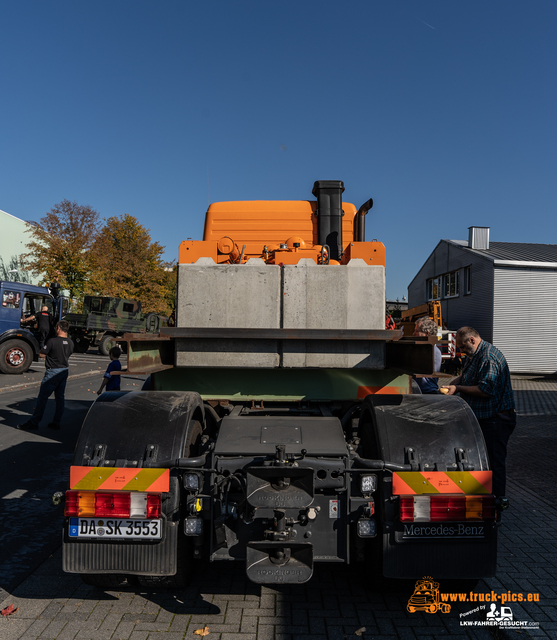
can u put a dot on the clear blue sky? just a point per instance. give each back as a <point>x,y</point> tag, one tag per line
<point>444,112</point>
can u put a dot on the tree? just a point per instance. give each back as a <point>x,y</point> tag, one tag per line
<point>60,244</point>
<point>13,271</point>
<point>126,264</point>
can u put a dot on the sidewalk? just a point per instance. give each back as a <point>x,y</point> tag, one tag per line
<point>338,603</point>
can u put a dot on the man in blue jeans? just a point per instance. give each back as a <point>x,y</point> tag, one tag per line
<point>57,352</point>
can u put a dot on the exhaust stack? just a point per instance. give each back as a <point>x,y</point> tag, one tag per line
<point>329,215</point>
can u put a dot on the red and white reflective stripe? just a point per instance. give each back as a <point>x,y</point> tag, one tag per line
<point>442,508</point>
<point>452,345</point>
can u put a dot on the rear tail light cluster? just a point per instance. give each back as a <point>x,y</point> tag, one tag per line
<point>117,504</point>
<point>446,508</point>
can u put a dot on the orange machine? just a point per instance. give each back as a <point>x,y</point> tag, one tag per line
<point>327,231</point>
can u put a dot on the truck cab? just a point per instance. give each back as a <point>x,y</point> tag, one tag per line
<point>19,346</point>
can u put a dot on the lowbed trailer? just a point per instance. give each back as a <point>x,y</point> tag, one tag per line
<point>278,427</point>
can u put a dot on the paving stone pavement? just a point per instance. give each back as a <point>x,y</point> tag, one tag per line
<point>339,603</point>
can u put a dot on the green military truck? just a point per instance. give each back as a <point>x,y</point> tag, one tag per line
<point>104,320</point>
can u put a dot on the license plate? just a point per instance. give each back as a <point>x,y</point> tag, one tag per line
<point>115,529</point>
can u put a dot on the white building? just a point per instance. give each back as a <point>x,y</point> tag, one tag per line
<point>507,291</point>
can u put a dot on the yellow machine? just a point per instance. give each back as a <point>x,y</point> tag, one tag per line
<point>409,316</point>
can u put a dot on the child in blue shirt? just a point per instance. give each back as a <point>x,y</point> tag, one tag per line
<point>112,383</point>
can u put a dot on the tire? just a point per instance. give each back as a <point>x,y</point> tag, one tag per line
<point>81,344</point>
<point>15,357</point>
<point>107,342</point>
<point>191,448</point>
<point>152,323</point>
<point>105,580</point>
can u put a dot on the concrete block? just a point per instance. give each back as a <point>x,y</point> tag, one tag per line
<point>348,296</point>
<point>332,354</point>
<point>303,296</point>
<point>334,297</point>
<point>240,296</point>
<point>245,296</point>
<point>227,353</point>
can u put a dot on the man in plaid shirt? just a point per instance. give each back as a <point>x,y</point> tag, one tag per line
<point>485,384</point>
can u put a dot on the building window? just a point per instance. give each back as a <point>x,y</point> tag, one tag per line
<point>434,289</point>
<point>467,282</point>
<point>451,280</point>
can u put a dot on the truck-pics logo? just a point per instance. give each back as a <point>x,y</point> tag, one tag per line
<point>426,597</point>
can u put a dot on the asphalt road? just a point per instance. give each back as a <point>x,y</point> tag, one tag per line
<point>36,464</point>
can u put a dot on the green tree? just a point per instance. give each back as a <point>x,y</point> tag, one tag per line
<point>127,264</point>
<point>60,244</point>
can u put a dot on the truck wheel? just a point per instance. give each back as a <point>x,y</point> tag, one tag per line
<point>15,357</point>
<point>191,448</point>
<point>81,344</point>
<point>106,344</point>
<point>152,323</point>
<point>105,580</point>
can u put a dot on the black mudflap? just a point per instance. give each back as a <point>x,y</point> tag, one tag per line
<point>129,557</point>
<point>441,558</point>
<point>279,562</point>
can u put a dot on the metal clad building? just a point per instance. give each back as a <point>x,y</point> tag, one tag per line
<point>505,290</point>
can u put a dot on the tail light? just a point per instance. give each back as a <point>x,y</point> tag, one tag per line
<point>446,508</point>
<point>117,504</point>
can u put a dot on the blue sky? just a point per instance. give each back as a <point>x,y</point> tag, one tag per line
<point>444,112</point>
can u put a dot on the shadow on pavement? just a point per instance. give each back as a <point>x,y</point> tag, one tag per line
<point>32,469</point>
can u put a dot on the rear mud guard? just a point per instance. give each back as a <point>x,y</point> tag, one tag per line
<point>137,428</point>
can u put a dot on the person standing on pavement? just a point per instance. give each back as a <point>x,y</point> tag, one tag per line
<point>485,384</point>
<point>112,382</point>
<point>57,352</point>
<point>427,327</point>
<point>44,323</point>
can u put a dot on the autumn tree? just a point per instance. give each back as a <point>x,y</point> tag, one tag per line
<point>60,243</point>
<point>126,264</point>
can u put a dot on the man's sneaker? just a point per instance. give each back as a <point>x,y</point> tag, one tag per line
<point>28,426</point>
<point>53,425</point>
